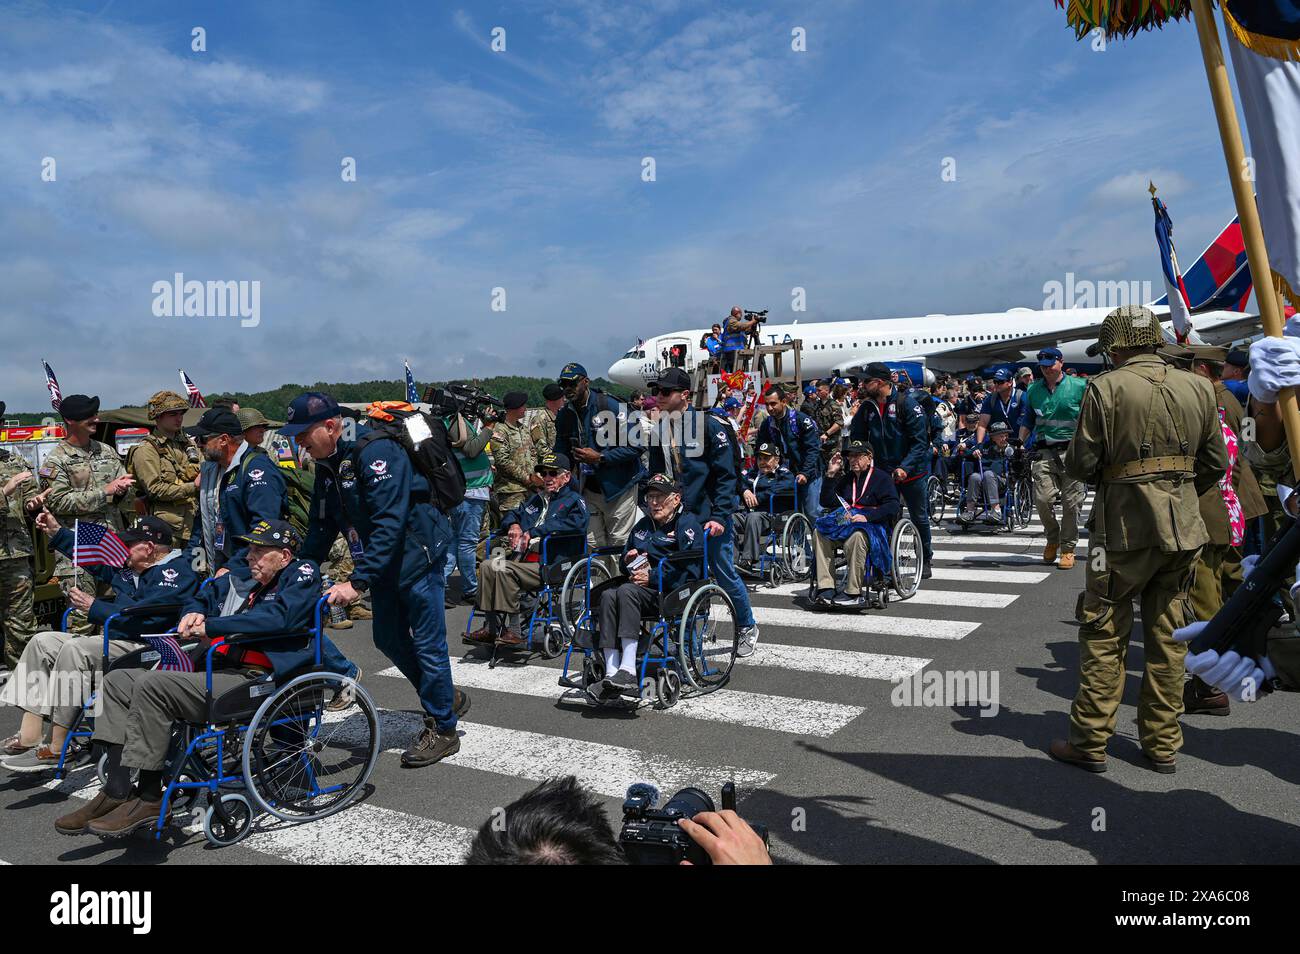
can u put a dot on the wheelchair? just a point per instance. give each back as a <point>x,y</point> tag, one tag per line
<point>688,643</point>
<point>902,577</point>
<point>1017,496</point>
<point>787,552</point>
<point>547,616</point>
<point>272,747</point>
<point>143,657</point>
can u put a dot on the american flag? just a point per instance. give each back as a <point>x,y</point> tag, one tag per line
<point>98,544</point>
<point>412,395</point>
<point>173,657</point>
<point>192,391</point>
<point>51,382</point>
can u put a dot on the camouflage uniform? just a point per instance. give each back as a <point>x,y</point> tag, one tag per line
<point>541,425</point>
<point>76,477</point>
<point>164,469</point>
<point>17,615</point>
<point>514,458</point>
<point>827,414</point>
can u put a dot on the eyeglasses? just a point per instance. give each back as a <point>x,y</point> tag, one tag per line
<point>550,473</point>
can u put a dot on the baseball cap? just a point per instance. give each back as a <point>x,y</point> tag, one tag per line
<point>999,427</point>
<point>878,371</point>
<point>663,484</point>
<point>273,533</point>
<point>767,450</point>
<point>514,400</point>
<point>1049,356</point>
<point>552,462</point>
<point>148,528</point>
<point>572,372</point>
<point>216,420</point>
<point>1023,371</point>
<point>1001,374</point>
<point>731,403</point>
<point>810,389</point>
<point>858,447</point>
<point>674,379</point>
<point>308,408</point>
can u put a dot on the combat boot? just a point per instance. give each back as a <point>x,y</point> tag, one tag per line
<point>1067,560</point>
<point>1049,553</point>
<point>1200,698</point>
<point>358,611</point>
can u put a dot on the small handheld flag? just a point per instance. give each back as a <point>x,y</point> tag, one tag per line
<point>96,544</point>
<point>51,382</point>
<point>412,395</point>
<point>192,391</point>
<point>1175,290</point>
<point>172,658</point>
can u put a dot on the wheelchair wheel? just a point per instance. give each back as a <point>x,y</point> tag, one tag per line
<point>553,642</point>
<point>909,557</point>
<point>301,762</point>
<point>1024,501</point>
<point>668,688</point>
<point>796,546</point>
<point>707,638</point>
<point>593,669</point>
<point>573,595</point>
<point>228,823</point>
<point>936,499</point>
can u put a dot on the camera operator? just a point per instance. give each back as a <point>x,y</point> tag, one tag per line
<point>561,823</point>
<point>734,337</point>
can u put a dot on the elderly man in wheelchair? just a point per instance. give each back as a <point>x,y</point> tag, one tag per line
<point>986,477</point>
<point>278,601</point>
<point>54,677</point>
<point>548,527</point>
<point>623,602</point>
<point>861,505</point>
<point>764,488</point>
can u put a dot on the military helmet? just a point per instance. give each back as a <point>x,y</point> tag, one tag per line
<point>164,402</point>
<point>1130,326</point>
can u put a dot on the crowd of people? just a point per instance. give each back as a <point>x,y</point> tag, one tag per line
<point>1178,509</point>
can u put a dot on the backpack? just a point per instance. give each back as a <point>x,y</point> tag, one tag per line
<point>298,486</point>
<point>424,438</point>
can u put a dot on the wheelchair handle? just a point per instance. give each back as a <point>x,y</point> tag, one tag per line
<point>138,610</point>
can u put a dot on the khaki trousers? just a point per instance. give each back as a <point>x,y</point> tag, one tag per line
<point>855,551</point>
<point>1052,484</point>
<point>55,675</point>
<point>500,581</point>
<point>1159,581</point>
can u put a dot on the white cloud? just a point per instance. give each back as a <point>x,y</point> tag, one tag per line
<point>1132,186</point>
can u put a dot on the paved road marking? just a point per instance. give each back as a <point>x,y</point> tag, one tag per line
<point>921,597</point>
<point>964,575</point>
<point>987,555</point>
<point>865,622</point>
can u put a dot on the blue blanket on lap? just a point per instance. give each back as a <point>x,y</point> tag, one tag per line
<point>836,525</point>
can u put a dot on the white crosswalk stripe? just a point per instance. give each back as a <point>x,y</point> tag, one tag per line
<point>976,556</point>
<point>922,597</point>
<point>866,622</point>
<point>968,575</point>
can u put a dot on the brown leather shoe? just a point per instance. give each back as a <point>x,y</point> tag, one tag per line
<point>12,746</point>
<point>481,637</point>
<point>1163,766</point>
<point>1063,751</point>
<point>1049,553</point>
<point>509,637</point>
<point>74,823</point>
<point>1067,560</point>
<point>1200,698</point>
<point>131,815</point>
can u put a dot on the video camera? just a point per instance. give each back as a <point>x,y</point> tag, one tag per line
<point>651,836</point>
<point>758,316</point>
<point>468,400</point>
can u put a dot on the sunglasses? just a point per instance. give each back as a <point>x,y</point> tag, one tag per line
<point>1044,356</point>
<point>550,473</point>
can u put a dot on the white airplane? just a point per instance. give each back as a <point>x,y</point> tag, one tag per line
<point>957,343</point>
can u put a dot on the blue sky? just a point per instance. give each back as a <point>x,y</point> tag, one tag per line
<point>522,170</point>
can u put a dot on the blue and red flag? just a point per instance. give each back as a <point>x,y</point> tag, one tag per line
<point>192,391</point>
<point>412,395</point>
<point>95,543</point>
<point>1175,292</point>
<point>172,657</point>
<point>51,382</point>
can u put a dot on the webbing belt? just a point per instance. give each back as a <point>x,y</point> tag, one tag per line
<point>1148,466</point>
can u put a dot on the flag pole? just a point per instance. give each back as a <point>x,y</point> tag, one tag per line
<point>1234,153</point>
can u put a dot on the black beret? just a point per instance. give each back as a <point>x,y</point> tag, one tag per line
<point>552,392</point>
<point>78,407</point>
<point>514,400</point>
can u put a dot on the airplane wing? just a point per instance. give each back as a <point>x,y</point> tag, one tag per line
<point>1223,332</point>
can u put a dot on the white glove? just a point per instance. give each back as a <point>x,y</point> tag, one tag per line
<point>1186,634</point>
<point>1274,365</point>
<point>1248,565</point>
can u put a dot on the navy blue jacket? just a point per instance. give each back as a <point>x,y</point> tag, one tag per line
<point>172,581</point>
<point>898,432</point>
<point>620,465</point>
<point>876,497</point>
<point>377,493</point>
<point>1012,412</point>
<point>286,604</point>
<point>994,459</point>
<point>251,491</point>
<point>780,482</point>
<point>707,470</point>
<point>682,532</point>
<point>799,440</point>
<point>567,513</point>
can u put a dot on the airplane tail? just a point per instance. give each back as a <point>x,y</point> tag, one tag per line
<point>1219,279</point>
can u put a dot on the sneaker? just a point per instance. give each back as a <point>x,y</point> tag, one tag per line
<point>748,641</point>
<point>621,681</point>
<point>825,596</point>
<point>431,746</point>
<point>346,696</point>
<point>842,599</point>
<point>131,815</point>
<point>74,823</point>
<point>993,516</point>
<point>40,758</point>
<point>967,516</point>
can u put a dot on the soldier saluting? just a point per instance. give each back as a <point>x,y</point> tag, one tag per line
<point>164,466</point>
<point>1148,436</point>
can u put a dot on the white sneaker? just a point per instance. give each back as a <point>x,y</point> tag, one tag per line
<point>748,641</point>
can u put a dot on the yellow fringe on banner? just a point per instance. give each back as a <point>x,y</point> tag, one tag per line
<point>1271,46</point>
<point>1283,288</point>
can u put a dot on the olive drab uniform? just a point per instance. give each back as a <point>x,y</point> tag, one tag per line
<point>514,457</point>
<point>541,425</point>
<point>17,614</point>
<point>75,477</point>
<point>827,414</point>
<point>1148,436</point>
<point>164,469</point>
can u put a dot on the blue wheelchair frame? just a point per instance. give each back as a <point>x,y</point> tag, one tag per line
<point>772,556</point>
<point>214,734</point>
<point>1009,501</point>
<point>76,731</point>
<point>547,611</point>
